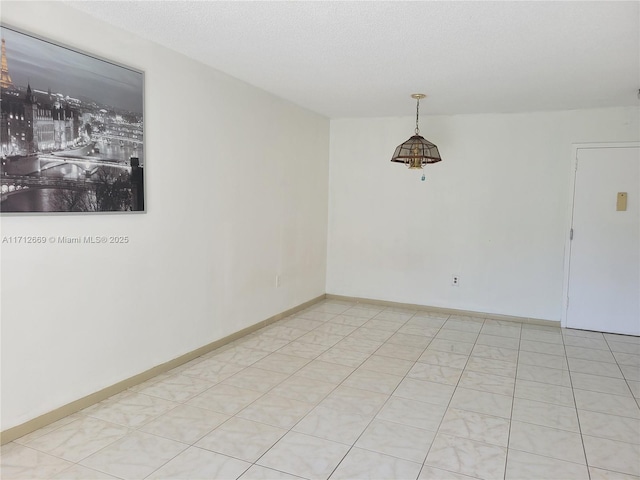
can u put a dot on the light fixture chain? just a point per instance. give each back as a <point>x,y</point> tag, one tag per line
<point>417,115</point>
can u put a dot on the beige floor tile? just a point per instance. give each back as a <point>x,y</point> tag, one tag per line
<point>78,472</point>
<point>341,356</point>
<point>23,463</point>
<point>552,376</point>
<point>278,362</point>
<point>415,329</point>
<point>178,388</point>
<point>25,439</point>
<point>325,372</point>
<point>185,423</point>
<point>240,355</point>
<point>597,383</point>
<point>496,353</point>
<point>544,392</point>
<point>243,439</point>
<point>212,370</point>
<point>456,335</point>
<point>543,360</point>
<point>276,411</point>
<point>266,343</point>
<point>595,343</point>
<point>336,328</point>
<point>624,347</point>
<point>256,379</point>
<point>379,324</point>
<point>256,472</point>
<point>303,389</point>
<point>482,402</point>
<point>78,439</point>
<point>594,368</point>
<point>462,323</point>
<point>384,386</point>
<point>354,400</point>
<point>489,365</point>
<point>435,373</point>
<point>197,463</point>
<point>612,455</point>
<point>338,426</point>
<point>475,426</point>
<point>412,413</point>
<point>373,381</point>
<point>450,346</point>
<point>359,344</point>
<point>613,427</point>
<point>428,319</point>
<point>621,338</point>
<point>631,372</point>
<point>397,440</point>
<point>227,399</point>
<point>542,336</point>
<point>320,338</point>
<point>541,347</point>
<point>416,341</point>
<point>627,359</point>
<point>635,388</point>
<point>445,359</point>
<point>392,366</point>
<point>429,392</point>
<point>590,354</point>
<point>512,331</point>
<point>527,466</point>
<point>599,474</point>
<point>316,315</point>
<point>135,456</point>
<point>302,349</point>
<point>131,410</point>
<point>282,331</point>
<point>546,441</point>
<point>467,457</point>
<point>401,352</point>
<point>498,341</point>
<point>432,473</point>
<point>545,414</point>
<point>365,464</point>
<point>487,382</point>
<point>304,456</point>
<point>606,403</point>
<point>363,311</point>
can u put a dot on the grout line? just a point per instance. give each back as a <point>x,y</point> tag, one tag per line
<point>261,334</point>
<point>584,450</point>
<point>624,377</point>
<point>452,395</point>
<point>513,402</point>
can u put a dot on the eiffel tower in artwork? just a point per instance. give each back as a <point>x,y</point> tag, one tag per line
<point>5,78</point>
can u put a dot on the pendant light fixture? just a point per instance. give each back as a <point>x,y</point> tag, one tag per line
<point>416,152</point>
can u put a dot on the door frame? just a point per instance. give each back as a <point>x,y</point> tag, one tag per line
<point>575,148</point>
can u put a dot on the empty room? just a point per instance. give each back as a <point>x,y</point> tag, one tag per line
<point>320,240</point>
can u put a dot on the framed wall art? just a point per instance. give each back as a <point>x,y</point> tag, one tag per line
<point>71,130</point>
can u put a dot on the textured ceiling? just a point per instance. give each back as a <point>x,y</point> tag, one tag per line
<point>362,59</point>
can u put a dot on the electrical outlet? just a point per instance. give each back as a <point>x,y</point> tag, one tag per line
<point>455,280</point>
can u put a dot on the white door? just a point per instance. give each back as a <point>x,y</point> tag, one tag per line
<point>604,264</point>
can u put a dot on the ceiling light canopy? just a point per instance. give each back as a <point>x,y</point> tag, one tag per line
<point>417,151</point>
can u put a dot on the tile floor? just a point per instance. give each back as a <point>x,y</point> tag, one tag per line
<point>348,391</point>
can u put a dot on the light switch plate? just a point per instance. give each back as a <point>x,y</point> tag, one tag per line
<point>621,202</point>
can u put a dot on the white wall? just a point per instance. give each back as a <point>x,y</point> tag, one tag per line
<point>494,211</point>
<point>229,207</point>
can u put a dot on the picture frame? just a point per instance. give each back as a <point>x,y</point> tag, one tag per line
<point>71,130</point>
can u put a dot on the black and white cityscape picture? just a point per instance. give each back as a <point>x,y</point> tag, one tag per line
<point>71,130</point>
